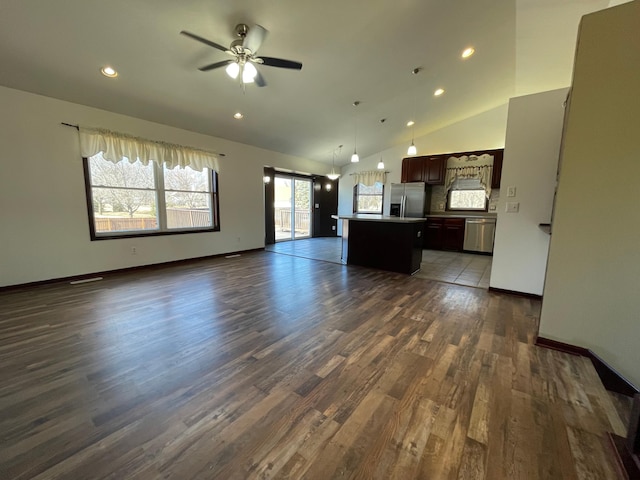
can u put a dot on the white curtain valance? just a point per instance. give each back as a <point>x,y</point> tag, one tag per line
<point>472,166</point>
<point>116,146</point>
<point>370,178</point>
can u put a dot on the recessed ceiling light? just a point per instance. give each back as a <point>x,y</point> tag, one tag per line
<point>109,72</point>
<point>438,92</point>
<point>467,52</point>
<point>410,123</point>
<point>238,116</point>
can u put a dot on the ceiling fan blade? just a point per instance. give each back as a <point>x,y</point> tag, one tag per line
<point>204,40</point>
<point>255,37</point>
<point>259,80</point>
<point>279,62</point>
<point>224,63</point>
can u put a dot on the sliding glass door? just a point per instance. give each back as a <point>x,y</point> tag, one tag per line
<point>292,212</point>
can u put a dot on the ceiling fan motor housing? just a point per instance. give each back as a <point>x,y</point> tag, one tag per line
<point>241,30</point>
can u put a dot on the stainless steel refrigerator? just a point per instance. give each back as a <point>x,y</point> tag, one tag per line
<point>410,199</point>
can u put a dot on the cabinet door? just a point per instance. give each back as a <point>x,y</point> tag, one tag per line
<point>412,170</point>
<point>433,172</point>
<point>497,170</point>
<point>453,234</point>
<point>433,234</point>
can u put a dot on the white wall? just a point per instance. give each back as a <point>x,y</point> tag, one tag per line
<point>532,148</point>
<point>44,225</point>
<point>592,290</point>
<point>483,131</point>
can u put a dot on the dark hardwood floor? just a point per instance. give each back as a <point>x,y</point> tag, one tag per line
<point>274,366</point>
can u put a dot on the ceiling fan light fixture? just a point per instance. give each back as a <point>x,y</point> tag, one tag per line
<point>249,73</point>
<point>233,69</point>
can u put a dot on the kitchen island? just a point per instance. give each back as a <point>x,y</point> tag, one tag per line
<point>384,242</point>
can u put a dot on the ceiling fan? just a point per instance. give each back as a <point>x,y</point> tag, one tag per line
<point>244,52</point>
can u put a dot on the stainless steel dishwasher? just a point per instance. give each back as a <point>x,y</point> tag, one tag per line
<point>479,234</point>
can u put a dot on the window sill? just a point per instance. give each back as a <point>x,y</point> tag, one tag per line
<point>153,234</point>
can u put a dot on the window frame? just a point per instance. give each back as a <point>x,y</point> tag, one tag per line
<point>453,209</point>
<point>356,194</point>
<point>159,190</point>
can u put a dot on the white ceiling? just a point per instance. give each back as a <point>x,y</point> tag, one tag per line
<point>351,50</point>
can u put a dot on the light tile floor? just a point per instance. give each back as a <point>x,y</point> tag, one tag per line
<point>452,267</point>
<point>326,249</point>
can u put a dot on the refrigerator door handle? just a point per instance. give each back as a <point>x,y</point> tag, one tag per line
<point>403,202</point>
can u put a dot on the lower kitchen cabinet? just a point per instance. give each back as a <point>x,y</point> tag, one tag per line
<point>444,234</point>
<point>433,233</point>
<point>453,234</point>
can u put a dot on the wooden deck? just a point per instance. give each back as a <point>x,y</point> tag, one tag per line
<point>273,366</point>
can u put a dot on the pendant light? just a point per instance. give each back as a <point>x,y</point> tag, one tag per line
<point>380,164</point>
<point>333,175</point>
<point>355,158</point>
<point>412,150</point>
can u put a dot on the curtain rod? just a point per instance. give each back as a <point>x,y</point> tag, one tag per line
<point>70,125</point>
<point>375,171</point>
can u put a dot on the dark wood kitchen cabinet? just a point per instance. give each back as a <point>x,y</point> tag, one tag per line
<point>453,234</point>
<point>433,233</point>
<point>412,170</point>
<point>424,169</point>
<point>444,234</point>
<point>433,170</point>
<point>496,176</point>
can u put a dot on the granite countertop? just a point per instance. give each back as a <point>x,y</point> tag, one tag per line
<point>378,218</point>
<point>463,215</point>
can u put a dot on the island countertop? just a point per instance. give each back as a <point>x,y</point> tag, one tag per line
<point>378,218</point>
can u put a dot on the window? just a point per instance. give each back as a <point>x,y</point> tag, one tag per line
<point>129,199</point>
<point>368,199</point>
<point>467,194</point>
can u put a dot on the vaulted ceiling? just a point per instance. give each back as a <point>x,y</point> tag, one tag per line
<point>351,50</point>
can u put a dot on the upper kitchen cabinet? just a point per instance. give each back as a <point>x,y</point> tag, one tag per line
<point>412,170</point>
<point>433,170</point>
<point>423,169</point>
<point>497,168</point>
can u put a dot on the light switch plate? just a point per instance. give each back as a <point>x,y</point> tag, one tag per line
<point>512,207</point>
<point>511,191</point>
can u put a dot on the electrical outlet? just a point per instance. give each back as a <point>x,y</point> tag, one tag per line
<point>512,207</point>
<point>511,191</point>
<point>134,250</point>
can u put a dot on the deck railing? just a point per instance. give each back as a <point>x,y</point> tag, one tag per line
<point>176,218</point>
<point>283,220</point>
